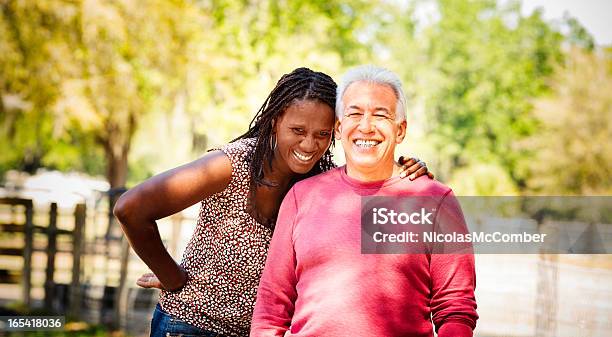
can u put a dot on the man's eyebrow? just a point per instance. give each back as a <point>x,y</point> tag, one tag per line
<point>377,109</point>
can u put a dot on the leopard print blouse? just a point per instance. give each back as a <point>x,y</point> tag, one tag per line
<point>225,257</point>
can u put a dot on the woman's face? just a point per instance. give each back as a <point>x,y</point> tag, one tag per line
<point>303,134</point>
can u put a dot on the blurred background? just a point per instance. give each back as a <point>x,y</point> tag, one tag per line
<point>504,98</point>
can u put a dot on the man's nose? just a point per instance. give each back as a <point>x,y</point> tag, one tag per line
<point>365,124</point>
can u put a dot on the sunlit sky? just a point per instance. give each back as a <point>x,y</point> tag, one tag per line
<point>594,15</point>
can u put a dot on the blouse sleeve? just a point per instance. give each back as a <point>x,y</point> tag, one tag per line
<point>239,154</point>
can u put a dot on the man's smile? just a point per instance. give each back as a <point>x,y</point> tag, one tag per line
<point>366,143</point>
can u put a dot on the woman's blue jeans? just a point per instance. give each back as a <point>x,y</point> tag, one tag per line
<point>165,325</point>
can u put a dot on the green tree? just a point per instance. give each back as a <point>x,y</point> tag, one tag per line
<point>31,64</point>
<point>87,72</point>
<point>90,74</point>
<point>573,145</point>
<point>578,35</point>
<point>471,69</point>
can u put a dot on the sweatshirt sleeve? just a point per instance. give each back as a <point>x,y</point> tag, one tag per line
<point>453,277</point>
<point>276,294</point>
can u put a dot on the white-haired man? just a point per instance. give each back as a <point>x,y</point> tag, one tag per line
<point>317,281</point>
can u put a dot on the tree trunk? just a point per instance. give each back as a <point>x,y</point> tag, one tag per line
<point>116,174</point>
<point>117,166</point>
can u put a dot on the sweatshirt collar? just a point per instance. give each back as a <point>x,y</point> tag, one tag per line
<point>369,185</point>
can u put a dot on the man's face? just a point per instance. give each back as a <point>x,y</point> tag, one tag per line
<point>368,130</point>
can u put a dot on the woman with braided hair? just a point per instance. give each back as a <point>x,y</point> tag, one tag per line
<point>241,185</point>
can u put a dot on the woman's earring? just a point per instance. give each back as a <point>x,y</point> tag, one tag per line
<point>273,142</point>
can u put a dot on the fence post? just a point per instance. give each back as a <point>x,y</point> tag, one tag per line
<point>546,292</point>
<point>77,242</point>
<point>27,252</point>
<point>51,251</point>
<point>122,289</point>
<point>120,299</point>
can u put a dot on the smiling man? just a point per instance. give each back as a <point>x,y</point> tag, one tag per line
<point>317,282</point>
<point>369,126</point>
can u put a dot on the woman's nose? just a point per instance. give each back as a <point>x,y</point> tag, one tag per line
<point>308,144</point>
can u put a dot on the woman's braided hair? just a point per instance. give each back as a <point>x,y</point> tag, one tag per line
<point>300,84</point>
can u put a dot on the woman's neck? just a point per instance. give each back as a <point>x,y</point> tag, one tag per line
<point>277,176</point>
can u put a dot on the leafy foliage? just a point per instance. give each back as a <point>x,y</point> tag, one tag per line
<point>478,65</point>
<point>573,146</point>
<point>139,86</point>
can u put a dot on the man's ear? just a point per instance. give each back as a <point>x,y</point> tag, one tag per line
<point>337,130</point>
<point>401,132</point>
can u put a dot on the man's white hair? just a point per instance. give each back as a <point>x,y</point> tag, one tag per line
<point>377,75</point>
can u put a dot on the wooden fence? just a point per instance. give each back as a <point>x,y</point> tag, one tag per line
<point>76,262</point>
<point>26,231</point>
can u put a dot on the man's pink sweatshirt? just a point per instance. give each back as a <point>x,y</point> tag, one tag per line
<point>316,281</point>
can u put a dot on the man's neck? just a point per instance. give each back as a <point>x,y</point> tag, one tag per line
<point>380,173</point>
